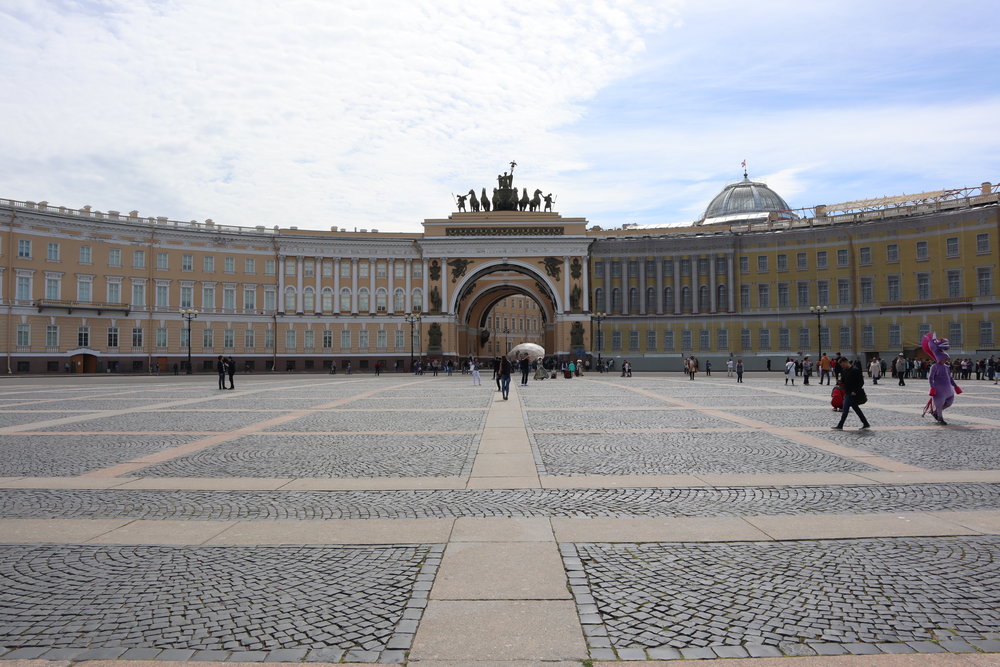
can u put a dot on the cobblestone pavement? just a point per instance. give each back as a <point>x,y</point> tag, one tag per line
<point>455,503</point>
<point>800,598</point>
<point>327,456</point>
<point>686,452</point>
<point>69,455</point>
<point>940,448</point>
<point>358,603</point>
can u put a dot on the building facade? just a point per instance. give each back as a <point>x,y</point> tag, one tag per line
<point>86,291</point>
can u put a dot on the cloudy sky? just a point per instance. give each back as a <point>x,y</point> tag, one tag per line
<point>372,113</point>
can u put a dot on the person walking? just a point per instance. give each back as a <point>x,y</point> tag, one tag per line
<point>789,370</point>
<point>824,368</point>
<point>693,367</point>
<point>739,371</point>
<point>807,369</point>
<point>497,363</point>
<point>900,366</point>
<point>875,369</point>
<point>525,370</point>
<point>853,381</point>
<point>505,370</point>
<point>474,368</point>
<point>220,368</point>
<point>230,371</point>
<point>730,366</point>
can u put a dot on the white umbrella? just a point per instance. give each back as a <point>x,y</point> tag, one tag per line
<point>533,351</point>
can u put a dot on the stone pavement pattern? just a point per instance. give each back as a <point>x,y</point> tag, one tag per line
<point>419,520</point>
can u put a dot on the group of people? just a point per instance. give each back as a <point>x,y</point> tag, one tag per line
<point>225,367</point>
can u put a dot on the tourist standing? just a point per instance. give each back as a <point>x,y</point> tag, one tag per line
<point>807,369</point>
<point>739,370</point>
<point>789,370</point>
<point>230,371</point>
<point>824,368</point>
<point>505,370</point>
<point>729,367</point>
<point>900,366</point>
<point>220,368</point>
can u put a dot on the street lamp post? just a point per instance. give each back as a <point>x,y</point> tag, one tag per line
<point>411,319</point>
<point>506,340</point>
<point>599,317</point>
<point>189,314</point>
<point>819,311</point>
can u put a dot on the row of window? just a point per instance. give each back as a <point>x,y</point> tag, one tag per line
<point>685,266</point>
<point>894,338</point>
<point>115,338</point>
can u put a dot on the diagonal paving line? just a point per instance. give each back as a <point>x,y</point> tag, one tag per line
<point>211,441</point>
<point>787,433</point>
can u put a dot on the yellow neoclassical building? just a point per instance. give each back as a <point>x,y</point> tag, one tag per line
<point>91,291</point>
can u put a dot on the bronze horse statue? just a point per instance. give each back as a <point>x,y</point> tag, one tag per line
<point>485,201</point>
<point>523,203</point>
<point>536,201</point>
<point>473,202</point>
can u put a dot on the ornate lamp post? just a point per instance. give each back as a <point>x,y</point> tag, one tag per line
<point>411,319</point>
<point>598,318</point>
<point>819,311</point>
<point>189,314</point>
<point>506,340</point>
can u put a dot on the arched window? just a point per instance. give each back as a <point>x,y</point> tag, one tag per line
<point>599,305</point>
<point>327,300</point>
<point>289,299</point>
<point>686,299</point>
<point>723,298</point>
<point>668,299</point>
<point>633,300</point>
<point>363,300</point>
<point>650,299</point>
<point>308,300</point>
<point>418,300</point>
<point>381,300</point>
<point>616,300</point>
<point>345,300</point>
<point>704,302</point>
<point>398,300</point>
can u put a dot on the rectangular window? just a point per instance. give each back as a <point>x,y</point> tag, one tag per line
<point>290,339</point>
<point>381,339</point>
<point>984,281</point>
<point>722,339</point>
<point>668,267</point>
<point>228,339</point>
<point>801,263</point>
<point>686,340</point>
<point>114,292</point>
<point>398,270</point>
<point>922,250</point>
<point>83,337</point>
<point>651,339</point>
<point>187,262</point>
<point>112,336</point>
<point>923,329</point>
<point>250,266</point>
<point>327,339</point>
<point>138,259</point>
<point>269,267</point>
<point>982,243</point>
<point>845,338</point>
<point>138,294</point>
<point>23,292</point>
<point>923,286</point>
<point>208,339</point>
<point>161,337</point>
<point>136,337</point>
<point>821,259</point>
<point>843,291</point>
<point>867,293</point>
<point>763,296</point>
<point>784,338</point>
<point>782,262</point>
<point>23,335</point>
<point>745,341</point>
<point>744,264</point>
<point>744,297</point>
<point>309,268</point>
<point>208,264</point>
<point>249,298</point>
<point>823,293</point>
<point>865,256</point>
<point>986,335</point>
<point>24,248</point>
<point>381,270</point>
<point>616,269</point>
<point>951,246</point>
<point>187,296</point>
<point>249,339</point>
<point>162,261</point>
<point>895,336</point>
<point>162,296</point>
<point>616,341</point>
<point>892,254</point>
<point>842,258</point>
<point>784,300</point>
<point>598,269</point>
<point>765,339</point>
<point>668,340</point>
<point>704,339</point>
<point>270,299</point>
<point>362,269</point>
<point>51,335</point>
<point>802,289</point>
<point>345,339</point>
<point>229,298</point>
<point>399,339</point>
<point>868,337</point>
<point>955,334</point>
<point>308,339</point>
<point>954,284</point>
<point>52,288</point>
<point>53,253</point>
<point>633,341</point>
<point>86,255</point>
<point>824,338</point>
<point>804,338</point>
<point>84,290</point>
<point>892,288</point>
<point>268,339</point>
<point>229,265</point>
<point>345,269</point>
<point>115,257</point>
<point>650,269</point>
<point>761,263</point>
<point>185,337</point>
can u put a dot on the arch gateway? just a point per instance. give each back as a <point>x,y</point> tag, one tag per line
<point>106,291</point>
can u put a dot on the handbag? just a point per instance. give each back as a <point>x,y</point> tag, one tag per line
<point>860,397</point>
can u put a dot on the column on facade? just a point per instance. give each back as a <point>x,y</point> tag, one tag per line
<point>336,285</point>
<point>299,264</point>
<point>711,282</point>
<point>318,297</point>
<point>566,282</point>
<point>729,283</point>
<point>444,285</point>
<point>659,285</point>
<point>281,284</point>
<point>586,285</point>
<point>642,285</point>
<point>607,285</point>
<point>372,266</point>
<point>677,285</point>
<point>354,285</point>
<point>409,284</point>
<point>695,283</point>
<point>426,284</point>
<point>390,265</point>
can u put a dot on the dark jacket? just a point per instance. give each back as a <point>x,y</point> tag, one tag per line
<point>853,379</point>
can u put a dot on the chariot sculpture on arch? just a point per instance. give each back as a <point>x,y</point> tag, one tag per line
<point>505,197</point>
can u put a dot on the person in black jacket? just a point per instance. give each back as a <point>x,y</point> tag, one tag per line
<point>854,381</point>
